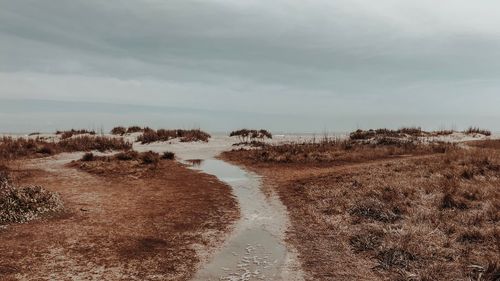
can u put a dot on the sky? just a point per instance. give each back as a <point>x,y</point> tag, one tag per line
<point>297,66</point>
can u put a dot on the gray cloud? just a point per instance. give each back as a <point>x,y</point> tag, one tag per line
<point>317,59</point>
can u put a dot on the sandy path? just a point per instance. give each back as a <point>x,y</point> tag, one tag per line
<point>256,249</point>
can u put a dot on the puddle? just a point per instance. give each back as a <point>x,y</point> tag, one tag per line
<point>255,250</point>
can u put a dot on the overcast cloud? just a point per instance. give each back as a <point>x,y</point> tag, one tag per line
<point>334,64</point>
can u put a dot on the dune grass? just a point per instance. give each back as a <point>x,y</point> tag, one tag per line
<point>70,133</point>
<point>338,151</point>
<point>476,130</point>
<point>120,130</point>
<point>13,148</point>
<point>151,135</point>
<point>148,157</point>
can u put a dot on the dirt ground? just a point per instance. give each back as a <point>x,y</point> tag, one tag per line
<point>430,217</point>
<point>157,224</point>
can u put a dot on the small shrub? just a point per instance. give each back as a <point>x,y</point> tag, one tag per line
<point>246,135</point>
<point>73,132</point>
<point>150,157</point>
<point>119,131</point>
<point>22,204</point>
<point>150,135</point>
<point>477,130</point>
<point>193,135</point>
<point>168,155</point>
<point>89,156</point>
<point>134,129</point>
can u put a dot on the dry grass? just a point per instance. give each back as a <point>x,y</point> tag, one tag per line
<point>403,132</point>
<point>493,144</point>
<point>11,148</point>
<point>409,132</point>
<point>119,131</point>
<point>14,148</point>
<point>432,217</point>
<point>23,204</point>
<point>87,143</point>
<point>331,151</point>
<point>129,163</point>
<point>151,135</point>
<point>148,157</point>
<point>73,132</point>
<point>136,129</point>
<point>477,130</point>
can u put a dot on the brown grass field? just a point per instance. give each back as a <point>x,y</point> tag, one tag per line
<point>388,211</point>
<point>124,218</point>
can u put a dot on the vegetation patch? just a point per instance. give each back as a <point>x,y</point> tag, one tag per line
<point>330,151</point>
<point>248,136</point>
<point>128,163</point>
<point>73,132</point>
<point>148,157</point>
<point>120,130</point>
<point>151,135</point>
<point>88,143</point>
<point>477,131</point>
<point>22,204</point>
<point>403,132</point>
<point>13,148</point>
